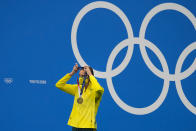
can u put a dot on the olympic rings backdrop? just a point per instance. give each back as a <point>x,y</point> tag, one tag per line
<point>143,53</point>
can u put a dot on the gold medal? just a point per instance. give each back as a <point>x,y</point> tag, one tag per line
<point>80,100</point>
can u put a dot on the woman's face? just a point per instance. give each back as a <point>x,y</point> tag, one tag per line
<point>81,73</point>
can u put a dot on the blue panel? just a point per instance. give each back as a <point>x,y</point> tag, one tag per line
<point>36,51</point>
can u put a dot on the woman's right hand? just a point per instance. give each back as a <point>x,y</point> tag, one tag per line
<point>75,69</point>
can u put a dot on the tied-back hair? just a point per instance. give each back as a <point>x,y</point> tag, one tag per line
<point>91,69</point>
<point>92,72</point>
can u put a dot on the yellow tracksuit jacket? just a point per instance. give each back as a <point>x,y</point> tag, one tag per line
<point>83,115</point>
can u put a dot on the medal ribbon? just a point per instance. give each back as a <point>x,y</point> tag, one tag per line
<point>81,91</point>
<point>78,87</point>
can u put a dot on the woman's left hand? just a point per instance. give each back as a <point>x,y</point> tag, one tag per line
<point>87,69</point>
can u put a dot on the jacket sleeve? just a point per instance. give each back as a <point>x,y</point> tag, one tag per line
<point>97,87</point>
<point>68,88</point>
